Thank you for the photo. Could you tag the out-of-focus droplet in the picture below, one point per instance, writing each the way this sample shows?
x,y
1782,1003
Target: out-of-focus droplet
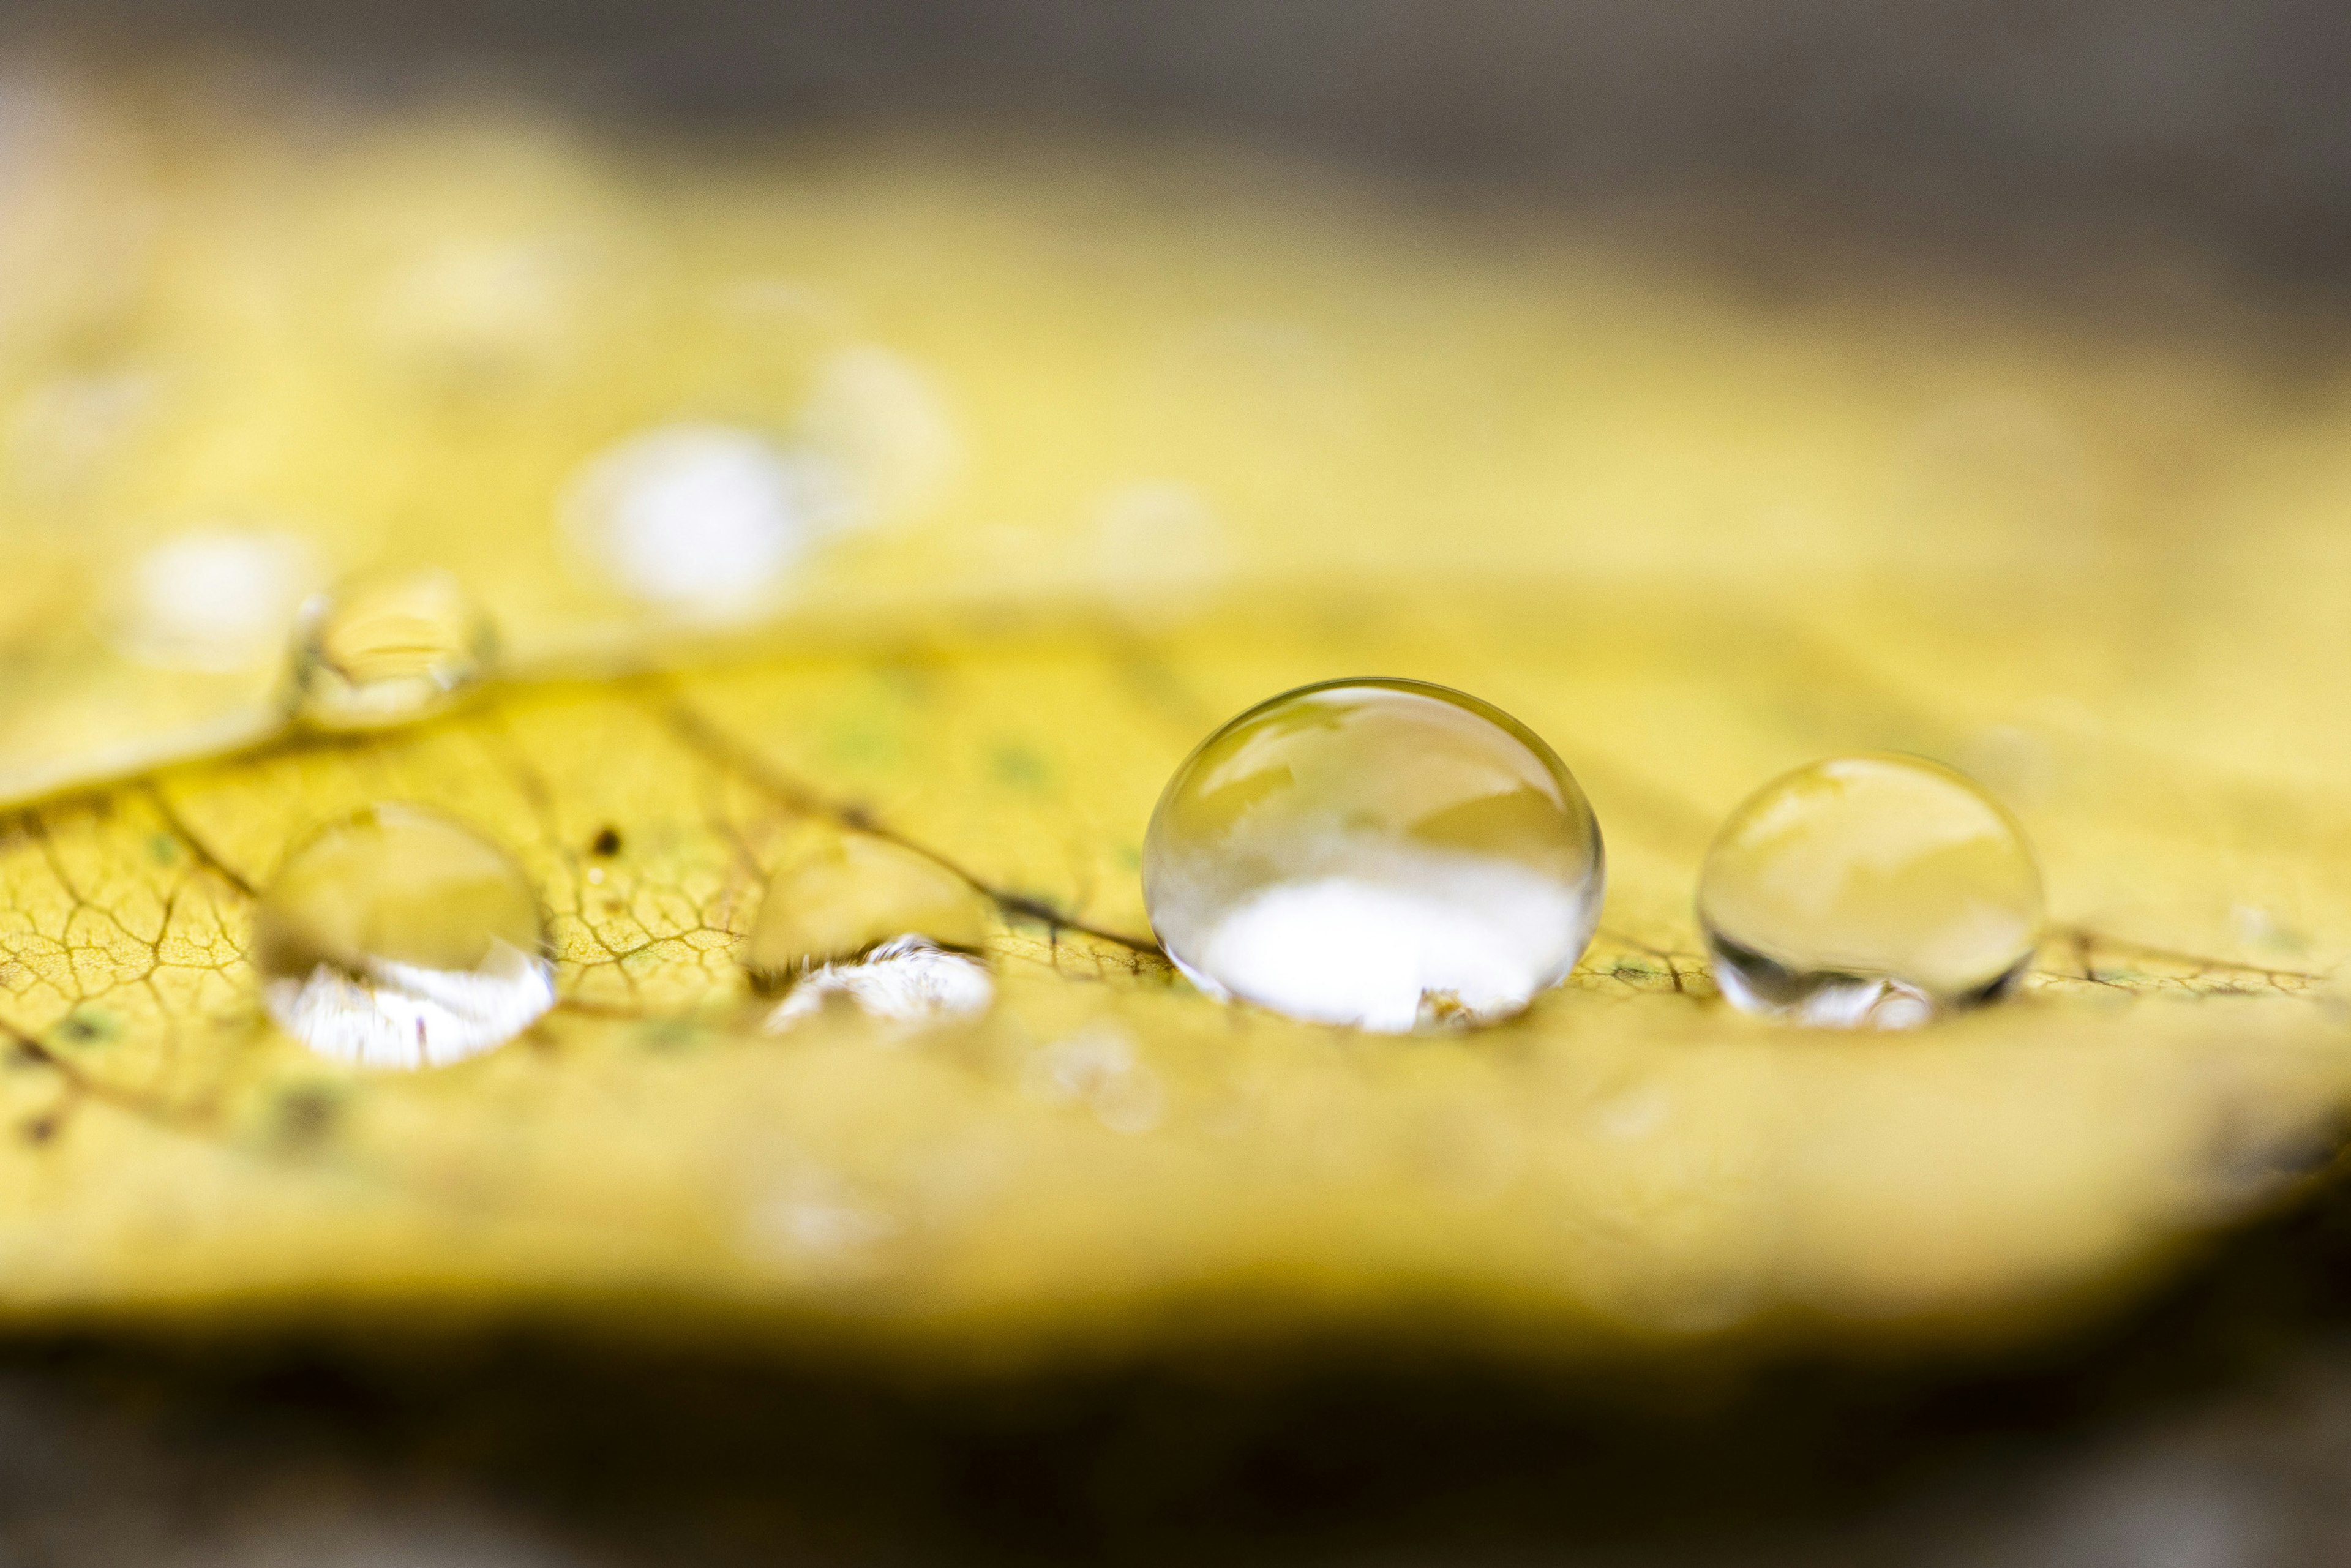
x,y
217,600
851,892
480,306
882,419
1156,544
702,522
397,938
1385,854
388,650
68,432
1099,1068
905,981
1870,892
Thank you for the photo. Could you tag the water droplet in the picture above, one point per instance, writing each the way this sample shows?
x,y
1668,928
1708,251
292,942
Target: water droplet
x,y
881,417
1098,1067
904,981
1156,544
826,1223
483,305
65,434
216,599
1379,852
397,938
701,521
851,892
389,649
1869,892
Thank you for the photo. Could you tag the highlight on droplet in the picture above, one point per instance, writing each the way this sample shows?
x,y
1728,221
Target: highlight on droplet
x,y
908,980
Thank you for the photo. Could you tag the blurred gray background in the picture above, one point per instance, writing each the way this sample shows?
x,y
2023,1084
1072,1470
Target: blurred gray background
x,y
2055,132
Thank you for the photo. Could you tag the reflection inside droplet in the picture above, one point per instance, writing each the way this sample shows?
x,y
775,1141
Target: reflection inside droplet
x,y
848,893
389,649
1869,892
396,938
1377,852
909,981
701,521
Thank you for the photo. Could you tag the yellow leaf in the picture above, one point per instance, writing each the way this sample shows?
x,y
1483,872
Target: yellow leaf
x,y
1085,466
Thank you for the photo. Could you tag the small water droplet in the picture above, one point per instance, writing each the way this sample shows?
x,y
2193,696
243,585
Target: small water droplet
x,y
905,981
823,1221
215,599
883,421
701,521
481,304
1385,854
852,891
389,649
1156,544
397,938
1869,892
2259,928
1099,1067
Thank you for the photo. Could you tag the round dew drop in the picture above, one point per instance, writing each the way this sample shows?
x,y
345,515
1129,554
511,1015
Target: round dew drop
x,y
1383,854
389,650
1869,892
849,893
874,925
397,938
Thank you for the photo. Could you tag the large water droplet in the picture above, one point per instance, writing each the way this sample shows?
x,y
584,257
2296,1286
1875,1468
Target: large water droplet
x,y
397,938
389,649
1871,892
874,924
1379,852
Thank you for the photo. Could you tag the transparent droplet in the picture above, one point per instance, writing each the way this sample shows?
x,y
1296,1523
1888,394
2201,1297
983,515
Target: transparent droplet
x,y
1869,892
908,980
397,938
850,893
389,649
1385,854
701,521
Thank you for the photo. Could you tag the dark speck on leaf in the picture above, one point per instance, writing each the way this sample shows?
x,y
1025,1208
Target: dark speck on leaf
x,y
608,841
304,1115
86,1029
668,1034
